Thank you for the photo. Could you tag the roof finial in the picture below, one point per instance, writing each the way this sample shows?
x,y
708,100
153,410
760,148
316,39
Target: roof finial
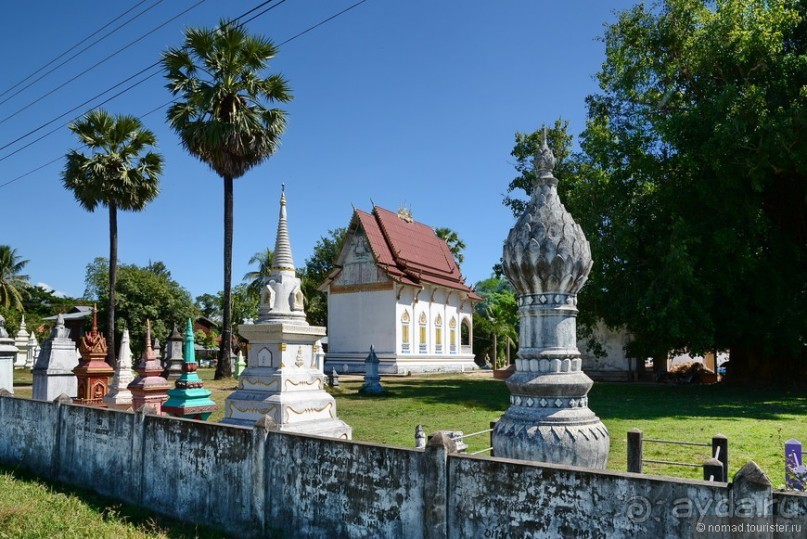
x,y
95,318
544,161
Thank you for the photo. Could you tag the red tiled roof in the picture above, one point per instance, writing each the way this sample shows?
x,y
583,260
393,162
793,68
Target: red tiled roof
x,y
410,252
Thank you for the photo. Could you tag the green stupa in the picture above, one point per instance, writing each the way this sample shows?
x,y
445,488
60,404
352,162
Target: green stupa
x,y
189,399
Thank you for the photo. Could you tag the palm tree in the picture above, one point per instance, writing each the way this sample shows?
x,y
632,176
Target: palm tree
x,y
118,172
255,279
12,282
455,244
222,118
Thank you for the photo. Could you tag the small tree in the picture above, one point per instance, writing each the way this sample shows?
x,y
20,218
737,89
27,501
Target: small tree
x,y
12,283
119,172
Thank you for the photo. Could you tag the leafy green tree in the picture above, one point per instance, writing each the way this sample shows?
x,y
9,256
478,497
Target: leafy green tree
x,y
691,183
142,294
495,319
210,306
256,278
12,282
119,172
222,118
316,270
455,244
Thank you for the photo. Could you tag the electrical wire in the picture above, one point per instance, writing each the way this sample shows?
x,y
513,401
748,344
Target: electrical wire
x,y
307,30
78,53
40,98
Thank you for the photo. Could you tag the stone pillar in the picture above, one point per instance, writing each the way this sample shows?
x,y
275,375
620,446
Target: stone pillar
x,y
174,359
119,396
149,388
21,339
93,371
8,353
53,371
189,398
547,259
283,379
372,379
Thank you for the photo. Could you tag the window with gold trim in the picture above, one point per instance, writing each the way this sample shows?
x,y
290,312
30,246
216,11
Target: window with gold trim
x,y
422,344
438,334
452,335
405,345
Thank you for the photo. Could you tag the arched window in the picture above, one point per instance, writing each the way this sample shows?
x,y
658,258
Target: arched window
x,y
438,334
452,335
465,333
422,343
405,337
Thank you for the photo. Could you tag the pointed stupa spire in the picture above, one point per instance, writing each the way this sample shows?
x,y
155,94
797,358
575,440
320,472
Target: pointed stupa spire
x,y
283,259
189,352
125,353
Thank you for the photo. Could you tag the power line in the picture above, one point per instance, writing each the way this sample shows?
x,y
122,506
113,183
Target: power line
x,y
124,81
332,17
307,30
78,53
40,98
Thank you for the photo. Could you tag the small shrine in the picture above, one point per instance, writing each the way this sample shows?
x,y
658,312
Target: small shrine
x,y
8,353
149,388
283,379
21,339
33,351
53,370
93,371
173,359
189,399
547,259
119,396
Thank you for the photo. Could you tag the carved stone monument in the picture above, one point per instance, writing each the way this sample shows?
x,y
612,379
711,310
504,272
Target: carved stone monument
x,y
21,339
189,398
149,388
119,396
283,380
8,353
93,371
372,379
173,358
547,259
53,372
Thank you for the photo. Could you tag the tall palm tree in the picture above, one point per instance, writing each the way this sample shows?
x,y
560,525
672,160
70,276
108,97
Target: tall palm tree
x,y
119,172
455,244
255,279
12,282
222,118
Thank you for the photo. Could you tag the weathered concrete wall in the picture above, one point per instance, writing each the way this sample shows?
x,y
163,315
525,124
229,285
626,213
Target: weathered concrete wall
x,y
334,488
257,482
194,469
507,498
28,433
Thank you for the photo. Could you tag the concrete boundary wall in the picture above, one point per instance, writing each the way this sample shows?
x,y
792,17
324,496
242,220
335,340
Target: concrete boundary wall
x,y
260,482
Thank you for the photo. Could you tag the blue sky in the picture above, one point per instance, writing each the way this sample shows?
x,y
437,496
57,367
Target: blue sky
x,y
406,103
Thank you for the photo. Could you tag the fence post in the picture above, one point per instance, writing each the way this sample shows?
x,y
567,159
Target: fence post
x,y
635,450
435,490
713,470
793,459
720,451
492,427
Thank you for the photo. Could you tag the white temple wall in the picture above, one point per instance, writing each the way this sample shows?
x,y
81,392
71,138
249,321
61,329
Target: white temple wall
x,y
358,319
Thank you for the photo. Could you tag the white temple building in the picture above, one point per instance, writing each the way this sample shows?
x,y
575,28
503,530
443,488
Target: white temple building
x,y
397,286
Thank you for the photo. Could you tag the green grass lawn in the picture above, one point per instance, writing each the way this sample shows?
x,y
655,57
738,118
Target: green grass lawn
x,y
756,421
